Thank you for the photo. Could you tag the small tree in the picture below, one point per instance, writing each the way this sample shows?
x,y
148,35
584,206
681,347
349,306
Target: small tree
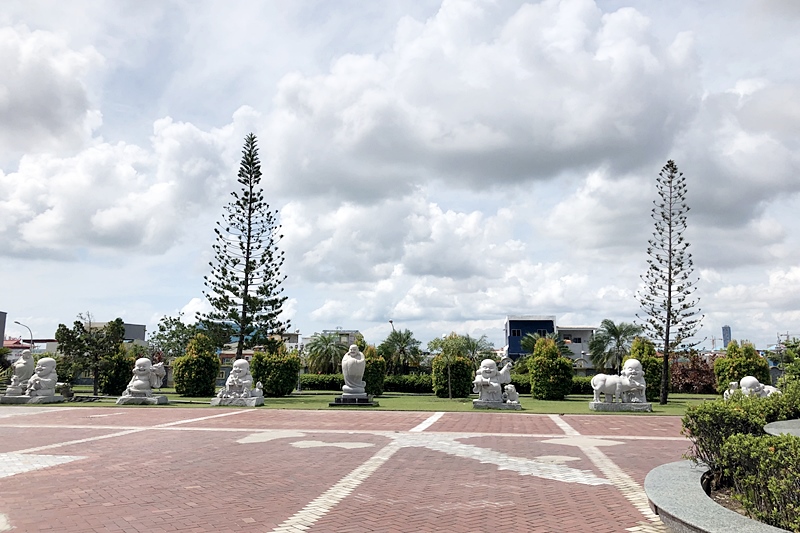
x,y
611,343
374,371
88,345
171,339
645,352
277,372
118,368
244,286
196,372
455,382
691,373
528,343
401,351
551,373
666,298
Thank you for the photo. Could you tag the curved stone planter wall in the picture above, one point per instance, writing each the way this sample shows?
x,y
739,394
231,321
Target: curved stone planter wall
x,y
676,496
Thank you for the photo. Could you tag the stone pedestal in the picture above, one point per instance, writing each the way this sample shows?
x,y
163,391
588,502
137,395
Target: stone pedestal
x,y
252,401
619,407
485,404
57,398
142,400
354,400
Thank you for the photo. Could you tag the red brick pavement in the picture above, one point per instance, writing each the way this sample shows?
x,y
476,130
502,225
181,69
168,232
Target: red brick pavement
x,y
197,476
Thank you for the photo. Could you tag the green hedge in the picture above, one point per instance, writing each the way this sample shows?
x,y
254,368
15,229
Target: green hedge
x,y
414,383
115,373
276,372
766,477
374,375
462,373
582,385
521,382
551,373
331,382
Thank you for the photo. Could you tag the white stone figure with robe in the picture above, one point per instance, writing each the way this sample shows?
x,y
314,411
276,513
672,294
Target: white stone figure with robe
x,y
488,382
353,366
146,377
23,370
43,383
632,370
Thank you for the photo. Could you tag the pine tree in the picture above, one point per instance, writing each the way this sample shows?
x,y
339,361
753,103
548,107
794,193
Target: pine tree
x,y
666,298
244,286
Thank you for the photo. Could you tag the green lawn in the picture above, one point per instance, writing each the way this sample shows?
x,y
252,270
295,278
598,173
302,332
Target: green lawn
x,y
395,401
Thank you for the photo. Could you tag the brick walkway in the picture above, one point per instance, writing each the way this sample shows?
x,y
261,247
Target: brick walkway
x,y
137,470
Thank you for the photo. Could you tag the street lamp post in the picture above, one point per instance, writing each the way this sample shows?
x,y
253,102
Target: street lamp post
x,y
29,331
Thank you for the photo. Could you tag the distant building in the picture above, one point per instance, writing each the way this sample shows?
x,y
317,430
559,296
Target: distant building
x,y
726,336
575,337
346,336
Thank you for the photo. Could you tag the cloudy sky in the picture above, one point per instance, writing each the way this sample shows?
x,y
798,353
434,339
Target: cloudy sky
x,y
439,163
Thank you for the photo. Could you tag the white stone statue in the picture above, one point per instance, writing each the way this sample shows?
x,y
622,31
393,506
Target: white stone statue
x,y
23,370
750,386
43,383
626,388
353,365
488,382
511,395
240,382
732,387
146,377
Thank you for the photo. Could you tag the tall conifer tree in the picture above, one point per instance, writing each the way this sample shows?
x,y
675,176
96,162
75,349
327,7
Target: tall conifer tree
x,y
244,286
666,298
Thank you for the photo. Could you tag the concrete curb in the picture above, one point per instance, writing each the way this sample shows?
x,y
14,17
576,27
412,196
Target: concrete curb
x,y
675,495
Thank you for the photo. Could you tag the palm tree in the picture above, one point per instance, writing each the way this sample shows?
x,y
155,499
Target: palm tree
x,y
401,350
611,343
528,343
325,353
478,349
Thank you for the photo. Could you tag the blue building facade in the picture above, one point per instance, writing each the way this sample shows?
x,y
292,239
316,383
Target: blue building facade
x,y
519,326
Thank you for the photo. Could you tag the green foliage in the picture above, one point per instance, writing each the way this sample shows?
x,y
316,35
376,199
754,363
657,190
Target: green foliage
x,y
171,339
693,375
766,477
740,360
667,300
401,352
521,382
582,385
87,345
196,372
68,367
329,382
460,373
374,375
414,383
644,350
324,353
276,372
453,346
611,343
116,371
551,374
244,286
4,362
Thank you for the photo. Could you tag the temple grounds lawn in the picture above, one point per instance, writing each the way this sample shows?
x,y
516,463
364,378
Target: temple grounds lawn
x,y
395,401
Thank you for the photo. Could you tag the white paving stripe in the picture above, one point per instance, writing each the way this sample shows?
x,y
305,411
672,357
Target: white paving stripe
x,y
622,481
427,423
563,426
321,505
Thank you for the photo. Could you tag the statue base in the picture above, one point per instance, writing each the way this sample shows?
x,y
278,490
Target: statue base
x,y
57,398
252,401
142,400
353,401
618,407
485,404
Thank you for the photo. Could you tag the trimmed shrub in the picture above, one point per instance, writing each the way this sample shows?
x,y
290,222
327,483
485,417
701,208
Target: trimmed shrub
x,y
115,372
766,477
582,385
551,374
740,361
331,382
413,383
462,373
374,375
645,351
196,372
276,372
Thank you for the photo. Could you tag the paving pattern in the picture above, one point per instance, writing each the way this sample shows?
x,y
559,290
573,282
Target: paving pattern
x,y
136,470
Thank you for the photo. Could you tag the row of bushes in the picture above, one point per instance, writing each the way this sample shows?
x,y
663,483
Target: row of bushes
x,y
728,437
